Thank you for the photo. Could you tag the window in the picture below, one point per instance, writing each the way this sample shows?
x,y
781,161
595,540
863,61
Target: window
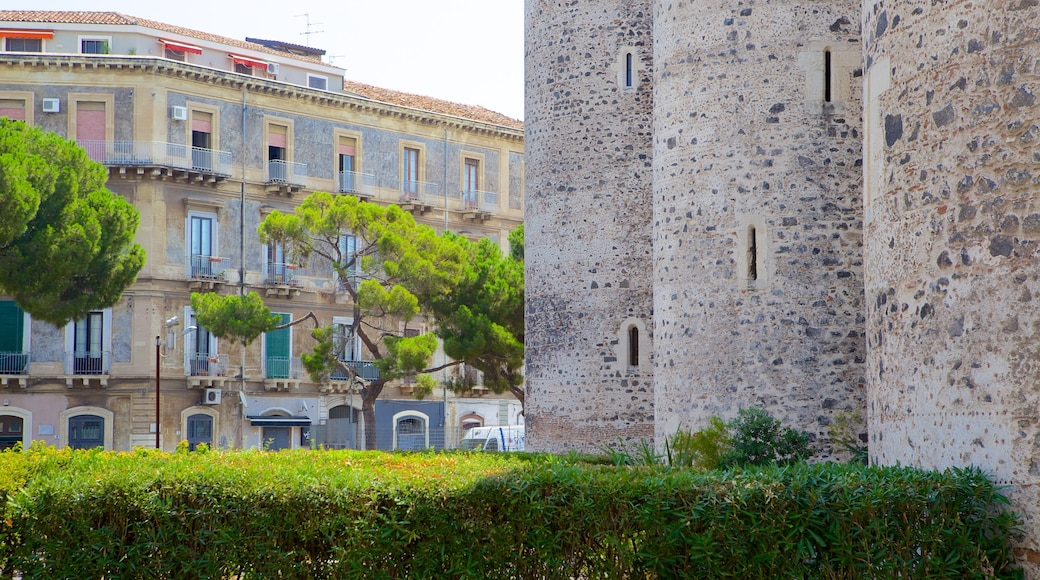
x,y
200,349
244,69
202,243
202,141
92,128
346,153
317,82
410,184
628,70
279,271
88,334
278,153
13,109
172,54
351,262
410,431
277,348
24,44
470,183
633,346
94,45
752,251
14,357
827,76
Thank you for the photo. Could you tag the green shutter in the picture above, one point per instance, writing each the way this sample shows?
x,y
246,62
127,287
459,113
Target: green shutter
x,y
277,347
12,324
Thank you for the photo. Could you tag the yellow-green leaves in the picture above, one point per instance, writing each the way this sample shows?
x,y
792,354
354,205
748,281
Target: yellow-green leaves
x,y
235,317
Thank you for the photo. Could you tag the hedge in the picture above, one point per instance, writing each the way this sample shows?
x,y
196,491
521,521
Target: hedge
x,y
349,514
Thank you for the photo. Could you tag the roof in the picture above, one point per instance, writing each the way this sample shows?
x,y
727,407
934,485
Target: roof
x,y
116,18
288,47
472,112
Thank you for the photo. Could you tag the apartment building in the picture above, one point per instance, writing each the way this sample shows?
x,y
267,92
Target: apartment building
x,y
205,135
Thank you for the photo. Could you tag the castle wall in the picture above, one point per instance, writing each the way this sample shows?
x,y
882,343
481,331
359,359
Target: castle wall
x,y
952,236
758,270
588,222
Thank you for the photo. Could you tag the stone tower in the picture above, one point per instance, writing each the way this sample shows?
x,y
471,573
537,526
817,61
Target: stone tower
x,y
588,223
758,270
952,220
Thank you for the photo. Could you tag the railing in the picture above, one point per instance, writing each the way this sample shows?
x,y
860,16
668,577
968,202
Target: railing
x,y
159,154
365,370
92,362
360,183
201,267
279,171
207,365
474,200
283,367
14,363
412,191
281,274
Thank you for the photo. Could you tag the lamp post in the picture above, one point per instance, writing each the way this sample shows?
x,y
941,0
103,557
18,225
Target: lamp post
x,y
170,323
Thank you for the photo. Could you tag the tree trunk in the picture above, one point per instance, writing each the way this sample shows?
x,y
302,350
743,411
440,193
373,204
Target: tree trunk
x,y
368,411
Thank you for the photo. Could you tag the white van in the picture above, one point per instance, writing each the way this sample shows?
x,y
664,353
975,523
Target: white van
x,y
499,438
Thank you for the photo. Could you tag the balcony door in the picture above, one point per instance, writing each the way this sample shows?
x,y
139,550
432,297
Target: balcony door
x,y
202,229
13,358
88,335
202,141
86,432
277,348
410,186
91,128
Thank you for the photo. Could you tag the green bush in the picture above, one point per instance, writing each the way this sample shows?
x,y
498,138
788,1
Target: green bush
x,y
759,439
353,514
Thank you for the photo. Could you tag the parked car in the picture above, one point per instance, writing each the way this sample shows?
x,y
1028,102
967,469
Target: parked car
x,y
496,438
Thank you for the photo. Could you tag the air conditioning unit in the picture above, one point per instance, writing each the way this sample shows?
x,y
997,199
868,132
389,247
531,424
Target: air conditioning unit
x,y
272,68
51,106
211,397
178,113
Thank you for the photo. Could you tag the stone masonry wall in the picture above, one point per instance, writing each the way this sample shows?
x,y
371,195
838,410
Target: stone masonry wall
x,y
952,238
758,270
588,252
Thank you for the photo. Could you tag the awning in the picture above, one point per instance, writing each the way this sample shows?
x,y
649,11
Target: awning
x,y
279,421
21,33
247,61
180,46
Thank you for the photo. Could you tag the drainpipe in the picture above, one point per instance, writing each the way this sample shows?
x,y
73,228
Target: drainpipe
x,y
242,270
445,180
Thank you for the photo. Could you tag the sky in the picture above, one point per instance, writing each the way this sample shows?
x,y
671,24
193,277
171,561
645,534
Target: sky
x,y
466,51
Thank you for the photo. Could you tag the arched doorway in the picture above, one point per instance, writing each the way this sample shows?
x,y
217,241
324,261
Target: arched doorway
x,y
86,431
200,430
343,427
12,430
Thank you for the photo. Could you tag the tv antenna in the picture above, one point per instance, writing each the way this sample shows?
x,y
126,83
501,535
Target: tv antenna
x,y
309,25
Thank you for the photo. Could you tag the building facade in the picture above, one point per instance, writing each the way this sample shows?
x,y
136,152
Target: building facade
x,y
841,217
206,135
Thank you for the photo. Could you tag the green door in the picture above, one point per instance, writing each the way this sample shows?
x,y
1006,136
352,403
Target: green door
x,y
277,350
13,359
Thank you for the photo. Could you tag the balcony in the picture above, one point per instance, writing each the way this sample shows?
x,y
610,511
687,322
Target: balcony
x,y
206,370
285,177
281,281
479,205
206,272
87,367
351,378
420,196
282,373
14,369
363,185
160,160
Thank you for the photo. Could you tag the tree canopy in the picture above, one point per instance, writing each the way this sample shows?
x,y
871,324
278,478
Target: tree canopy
x,y
66,242
389,268
241,318
482,320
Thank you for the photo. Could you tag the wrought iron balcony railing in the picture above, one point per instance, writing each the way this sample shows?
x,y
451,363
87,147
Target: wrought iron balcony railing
x,y
283,367
92,362
159,154
14,363
281,274
203,267
474,200
207,365
365,370
364,184
280,171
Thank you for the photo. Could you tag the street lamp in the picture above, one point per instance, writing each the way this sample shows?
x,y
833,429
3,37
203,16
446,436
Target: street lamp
x,y
170,323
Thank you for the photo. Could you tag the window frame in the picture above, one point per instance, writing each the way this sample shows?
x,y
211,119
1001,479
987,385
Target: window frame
x,y
42,41
106,342
322,78
105,40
